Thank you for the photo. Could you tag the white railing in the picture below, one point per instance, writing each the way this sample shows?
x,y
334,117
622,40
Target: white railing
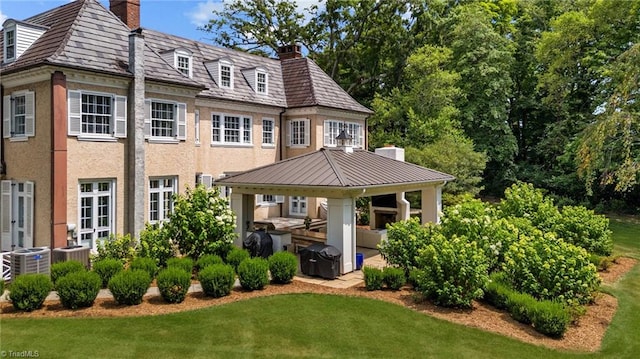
x,y
6,265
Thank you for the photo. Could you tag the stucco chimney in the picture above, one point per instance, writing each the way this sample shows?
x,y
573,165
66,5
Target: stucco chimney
x,y
397,153
289,52
128,11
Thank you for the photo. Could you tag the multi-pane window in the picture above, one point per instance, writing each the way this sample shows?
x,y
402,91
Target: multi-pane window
x,y
10,44
225,75
96,212
96,114
261,82
267,131
231,129
298,205
298,134
16,215
332,129
162,119
18,114
183,64
161,192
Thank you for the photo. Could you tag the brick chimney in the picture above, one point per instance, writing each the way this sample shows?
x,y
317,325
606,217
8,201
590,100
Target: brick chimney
x,y
128,11
289,52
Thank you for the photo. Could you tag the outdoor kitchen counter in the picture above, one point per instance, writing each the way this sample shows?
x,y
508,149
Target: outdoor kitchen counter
x,y
302,238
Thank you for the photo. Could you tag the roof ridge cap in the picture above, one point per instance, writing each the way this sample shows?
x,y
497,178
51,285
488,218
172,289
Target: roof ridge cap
x,y
313,88
335,167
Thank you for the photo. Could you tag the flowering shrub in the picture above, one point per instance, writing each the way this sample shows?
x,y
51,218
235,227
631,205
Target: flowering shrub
x,y
548,268
201,223
120,247
585,229
155,243
452,271
404,240
523,200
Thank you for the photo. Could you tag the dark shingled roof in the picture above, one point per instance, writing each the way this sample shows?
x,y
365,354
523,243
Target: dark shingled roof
x,y
333,167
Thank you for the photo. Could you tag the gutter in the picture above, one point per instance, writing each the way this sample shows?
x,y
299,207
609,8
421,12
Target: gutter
x,y
3,164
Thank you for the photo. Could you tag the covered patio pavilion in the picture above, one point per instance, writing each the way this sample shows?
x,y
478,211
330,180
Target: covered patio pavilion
x,y
341,175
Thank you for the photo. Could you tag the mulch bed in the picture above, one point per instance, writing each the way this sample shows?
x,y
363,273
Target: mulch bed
x,y
586,335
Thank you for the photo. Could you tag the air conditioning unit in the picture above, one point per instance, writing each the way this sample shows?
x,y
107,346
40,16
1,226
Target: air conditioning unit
x,y
30,260
71,253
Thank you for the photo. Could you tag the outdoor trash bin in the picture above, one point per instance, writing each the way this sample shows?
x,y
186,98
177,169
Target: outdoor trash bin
x,y
320,260
359,260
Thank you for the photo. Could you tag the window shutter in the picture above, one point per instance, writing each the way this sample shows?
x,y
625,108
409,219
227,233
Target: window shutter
x,y
327,133
147,118
6,116
30,111
307,132
5,214
181,121
289,129
28,215
75,112
120,129
279,199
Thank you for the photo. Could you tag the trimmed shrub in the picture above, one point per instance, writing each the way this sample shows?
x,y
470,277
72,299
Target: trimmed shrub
x,y
184,263
496,292
128,287
404,240
550,318
1,287
283,267
173,284
551,269
393,277
146,264
120,247
373,278
207,260
217,280
106,269
521,306
78,289
155,243
236,256
61,269
28,291
253,273
524,200
583,228
454,271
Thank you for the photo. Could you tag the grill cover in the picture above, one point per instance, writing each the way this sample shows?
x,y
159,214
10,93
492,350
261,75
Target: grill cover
x,y
321,260
259,244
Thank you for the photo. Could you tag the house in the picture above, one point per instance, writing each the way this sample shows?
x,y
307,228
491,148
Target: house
x,y
103,121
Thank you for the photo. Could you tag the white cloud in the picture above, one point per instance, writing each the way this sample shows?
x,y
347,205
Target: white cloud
x,y
202,13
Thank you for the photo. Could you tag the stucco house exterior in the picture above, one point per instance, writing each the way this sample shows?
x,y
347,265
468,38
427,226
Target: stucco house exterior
x,y
103,121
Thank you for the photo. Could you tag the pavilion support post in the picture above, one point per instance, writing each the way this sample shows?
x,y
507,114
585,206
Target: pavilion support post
x,y
242,205
341,230
431,204
404,207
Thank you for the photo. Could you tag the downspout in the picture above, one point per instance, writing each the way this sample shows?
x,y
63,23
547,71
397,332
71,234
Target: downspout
x,y
282,147
3,164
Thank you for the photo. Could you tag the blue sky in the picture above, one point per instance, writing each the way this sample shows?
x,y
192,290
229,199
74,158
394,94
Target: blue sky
x,y
177,17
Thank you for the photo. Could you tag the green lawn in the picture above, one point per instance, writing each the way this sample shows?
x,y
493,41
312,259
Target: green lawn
x,y
310,326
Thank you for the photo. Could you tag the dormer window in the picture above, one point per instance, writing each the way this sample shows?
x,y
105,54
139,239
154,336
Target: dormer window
x,y
261,82
10,44
226,75
183,63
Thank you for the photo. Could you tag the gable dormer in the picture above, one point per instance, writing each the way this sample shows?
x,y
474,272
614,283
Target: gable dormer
x,y
221,71
181,59
18,37
258,79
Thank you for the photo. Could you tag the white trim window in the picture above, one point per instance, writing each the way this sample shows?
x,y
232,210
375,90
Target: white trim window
x,y
262,81
10,44
19,115
97,115
298,206
268,200
226,74
231,129
16,215
165,120
183,63
96,211
268,132
298,133
161,191
332,130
